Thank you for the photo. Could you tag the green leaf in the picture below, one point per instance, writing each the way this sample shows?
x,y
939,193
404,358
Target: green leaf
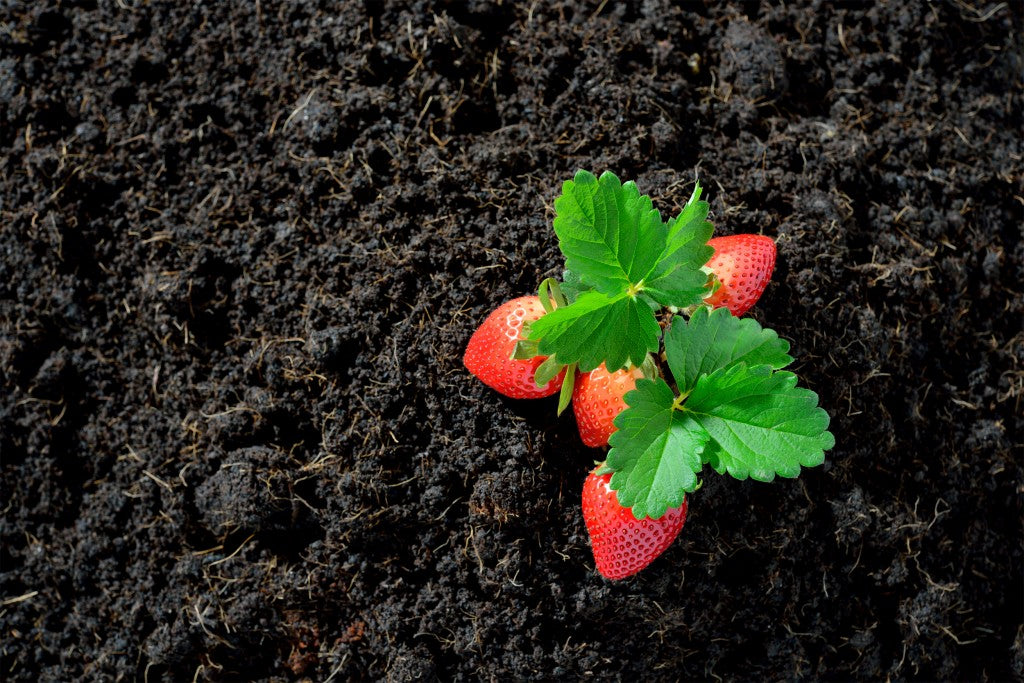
x,y
573,286
688,223
689,226
682,286
712,340
656,451
597,328
678,279
623,264
760,423
609,233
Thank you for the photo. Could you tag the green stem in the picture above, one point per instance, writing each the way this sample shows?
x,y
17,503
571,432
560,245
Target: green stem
x,y
680,399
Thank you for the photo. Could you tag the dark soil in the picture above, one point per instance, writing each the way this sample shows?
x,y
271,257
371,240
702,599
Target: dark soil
x,y
244,244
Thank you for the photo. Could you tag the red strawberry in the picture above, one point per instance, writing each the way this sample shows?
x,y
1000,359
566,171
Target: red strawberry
x,y
597,399
489,352
744,265
622,544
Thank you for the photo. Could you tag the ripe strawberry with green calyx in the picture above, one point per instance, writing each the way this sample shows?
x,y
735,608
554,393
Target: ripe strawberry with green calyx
x,y
598,398
743,265
490,350
623,544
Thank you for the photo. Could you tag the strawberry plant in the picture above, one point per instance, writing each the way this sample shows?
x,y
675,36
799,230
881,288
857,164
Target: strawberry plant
x,y
642,337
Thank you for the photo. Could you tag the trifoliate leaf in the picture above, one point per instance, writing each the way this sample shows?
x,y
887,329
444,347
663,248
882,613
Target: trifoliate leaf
x,y
712,340
597,328
656,451
622,267
609,233
760,423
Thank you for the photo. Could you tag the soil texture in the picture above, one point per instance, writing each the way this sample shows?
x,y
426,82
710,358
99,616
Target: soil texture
x,y
242,248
